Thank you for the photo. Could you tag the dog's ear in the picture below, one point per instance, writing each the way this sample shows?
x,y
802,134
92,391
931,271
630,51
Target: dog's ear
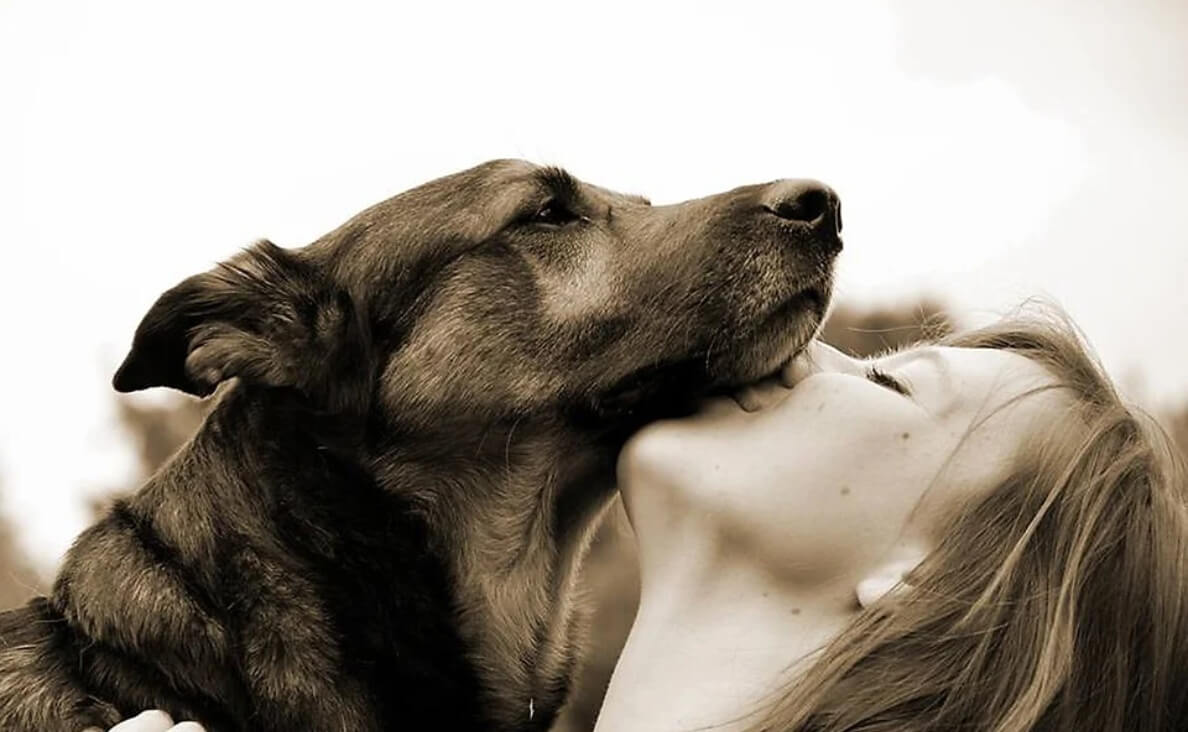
x,y
266,316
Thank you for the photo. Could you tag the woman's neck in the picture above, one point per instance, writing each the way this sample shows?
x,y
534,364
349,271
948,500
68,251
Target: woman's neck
x,y
711,642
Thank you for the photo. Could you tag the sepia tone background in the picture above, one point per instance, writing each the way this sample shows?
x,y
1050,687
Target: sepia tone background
x,y
984,153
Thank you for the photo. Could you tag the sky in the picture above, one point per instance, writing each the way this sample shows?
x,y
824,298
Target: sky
x,y
984,153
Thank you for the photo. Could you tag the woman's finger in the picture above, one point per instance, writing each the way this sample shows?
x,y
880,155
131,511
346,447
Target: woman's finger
x,y
800,367
153,720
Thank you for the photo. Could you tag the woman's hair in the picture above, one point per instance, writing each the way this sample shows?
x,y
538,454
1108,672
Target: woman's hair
x,y
1058,602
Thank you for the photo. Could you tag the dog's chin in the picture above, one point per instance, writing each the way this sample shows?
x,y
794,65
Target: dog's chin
x,y
674,388
780,338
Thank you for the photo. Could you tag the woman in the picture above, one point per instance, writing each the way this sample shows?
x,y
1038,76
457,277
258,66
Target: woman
x,y
976,535
971,535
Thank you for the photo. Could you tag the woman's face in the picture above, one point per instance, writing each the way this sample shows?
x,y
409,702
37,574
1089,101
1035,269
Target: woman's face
x,y
824,480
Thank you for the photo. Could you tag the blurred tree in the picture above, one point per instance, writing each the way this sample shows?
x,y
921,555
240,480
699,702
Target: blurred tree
x,y
160,429
869,331
18,581
157,431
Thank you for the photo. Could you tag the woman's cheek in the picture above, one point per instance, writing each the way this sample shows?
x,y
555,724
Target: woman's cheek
x,y
829,495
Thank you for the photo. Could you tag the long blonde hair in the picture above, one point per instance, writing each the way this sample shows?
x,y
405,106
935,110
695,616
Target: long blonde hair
x,y
1059,602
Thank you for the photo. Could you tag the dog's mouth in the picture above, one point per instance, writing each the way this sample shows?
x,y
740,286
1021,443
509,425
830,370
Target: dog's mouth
x,y
805,314
781,337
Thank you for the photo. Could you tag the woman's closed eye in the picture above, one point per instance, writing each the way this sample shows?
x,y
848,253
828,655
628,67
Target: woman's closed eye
x,y
882,378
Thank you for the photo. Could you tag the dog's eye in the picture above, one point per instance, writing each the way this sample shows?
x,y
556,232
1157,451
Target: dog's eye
x,y
553,213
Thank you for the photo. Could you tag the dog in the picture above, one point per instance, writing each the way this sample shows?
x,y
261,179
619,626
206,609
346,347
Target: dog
x,y
417,417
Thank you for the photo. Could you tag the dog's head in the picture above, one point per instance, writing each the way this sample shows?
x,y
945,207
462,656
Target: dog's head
x,y
504,291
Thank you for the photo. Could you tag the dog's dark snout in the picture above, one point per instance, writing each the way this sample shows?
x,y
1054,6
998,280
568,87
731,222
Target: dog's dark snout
x,y
807,201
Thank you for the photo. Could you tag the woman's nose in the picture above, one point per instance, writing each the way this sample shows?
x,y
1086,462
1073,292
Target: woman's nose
x,y
818,357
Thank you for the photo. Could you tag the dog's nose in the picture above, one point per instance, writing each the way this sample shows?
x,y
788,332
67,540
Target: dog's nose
x,y
807,201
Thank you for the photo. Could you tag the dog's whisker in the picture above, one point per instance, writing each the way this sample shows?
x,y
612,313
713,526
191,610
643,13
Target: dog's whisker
x,y
507,446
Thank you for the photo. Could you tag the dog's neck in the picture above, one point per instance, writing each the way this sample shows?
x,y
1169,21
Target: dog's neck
x,y
436,582
507,510
515,509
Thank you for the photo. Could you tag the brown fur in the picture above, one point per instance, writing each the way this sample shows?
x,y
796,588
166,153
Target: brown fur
x,y
379,523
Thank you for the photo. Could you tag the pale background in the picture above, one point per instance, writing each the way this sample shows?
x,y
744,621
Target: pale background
x,y
984,152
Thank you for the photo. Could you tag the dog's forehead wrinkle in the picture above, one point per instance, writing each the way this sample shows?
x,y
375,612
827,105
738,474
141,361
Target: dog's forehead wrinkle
x,y
435,220
627,201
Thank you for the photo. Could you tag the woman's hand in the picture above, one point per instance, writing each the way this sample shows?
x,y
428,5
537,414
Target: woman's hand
x,y
153,720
